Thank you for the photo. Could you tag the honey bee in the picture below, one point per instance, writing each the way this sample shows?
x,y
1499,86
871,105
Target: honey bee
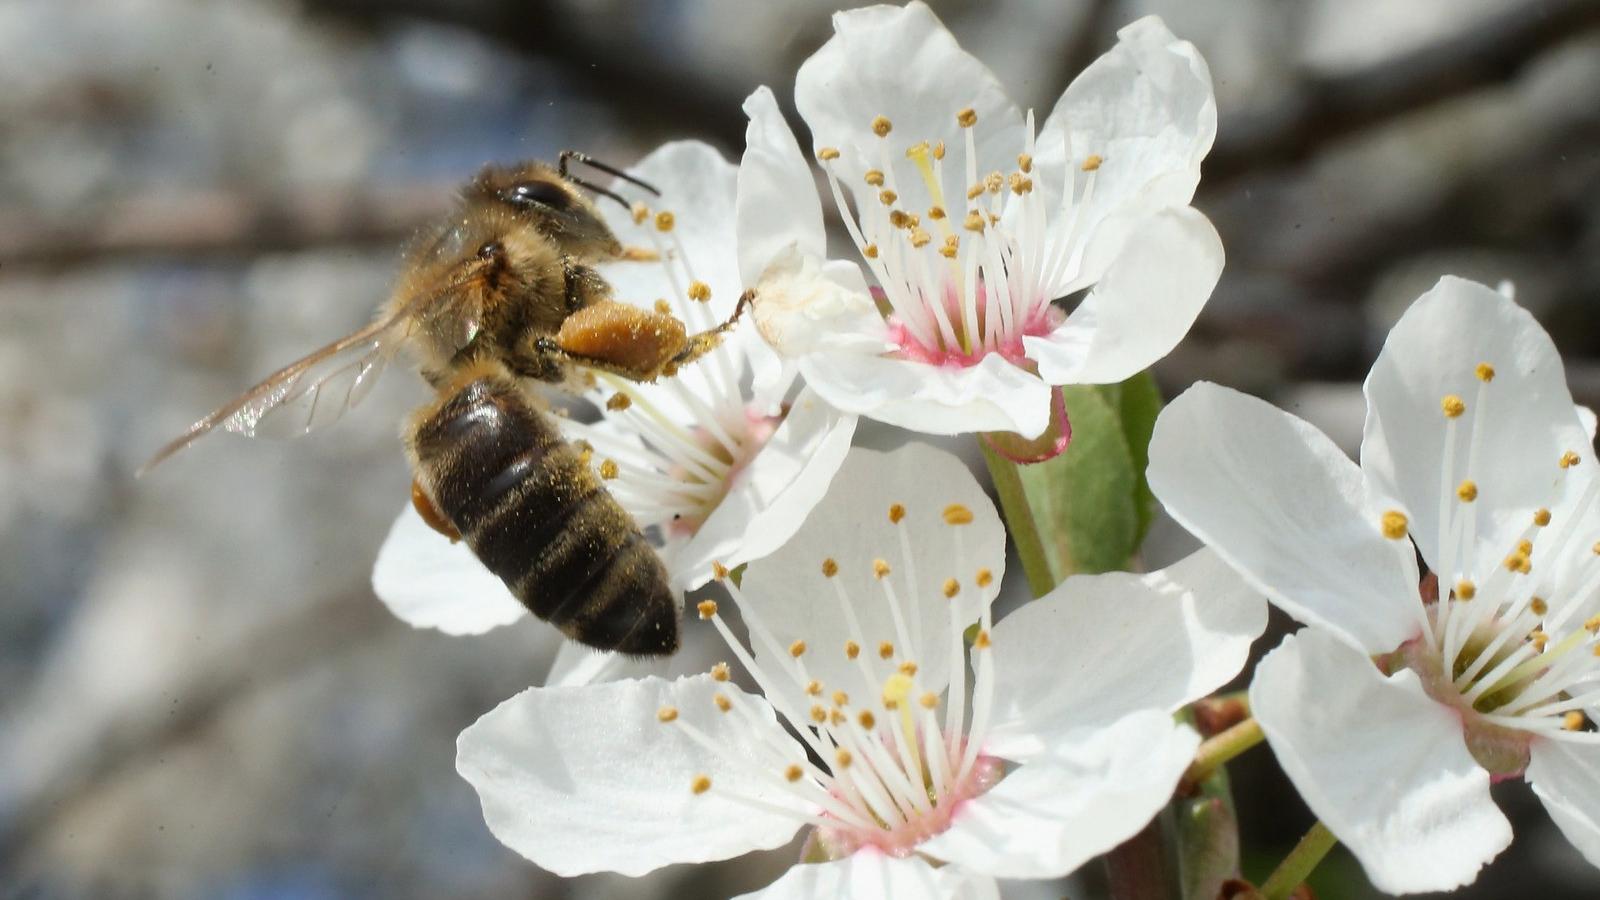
x,y
503,296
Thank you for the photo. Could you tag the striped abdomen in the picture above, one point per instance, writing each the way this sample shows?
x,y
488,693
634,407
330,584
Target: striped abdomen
x,y
536,516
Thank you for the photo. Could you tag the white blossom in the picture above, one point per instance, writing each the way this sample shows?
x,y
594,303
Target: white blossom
x,y
972,223
1399,706
903,772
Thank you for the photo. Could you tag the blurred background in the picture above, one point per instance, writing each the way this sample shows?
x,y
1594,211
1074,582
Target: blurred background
x,y
201,696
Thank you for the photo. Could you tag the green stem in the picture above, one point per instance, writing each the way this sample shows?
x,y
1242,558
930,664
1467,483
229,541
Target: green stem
x,y
1019,521
1294,869
1222,747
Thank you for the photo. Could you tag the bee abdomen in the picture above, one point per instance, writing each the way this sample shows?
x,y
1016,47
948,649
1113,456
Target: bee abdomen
x,y
537,517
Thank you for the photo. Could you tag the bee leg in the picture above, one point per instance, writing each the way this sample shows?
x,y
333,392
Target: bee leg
x,y
698,345
546,348
639,254
430,513
584,286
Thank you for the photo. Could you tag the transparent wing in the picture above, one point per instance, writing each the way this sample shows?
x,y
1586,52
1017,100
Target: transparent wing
x,y
317,389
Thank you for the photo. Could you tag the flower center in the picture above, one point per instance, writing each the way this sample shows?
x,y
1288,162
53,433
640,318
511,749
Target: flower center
x,y
972,277
886,772
1516,655
669,451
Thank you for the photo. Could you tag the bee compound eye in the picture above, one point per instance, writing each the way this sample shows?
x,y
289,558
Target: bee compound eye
x,y
538,193
491,250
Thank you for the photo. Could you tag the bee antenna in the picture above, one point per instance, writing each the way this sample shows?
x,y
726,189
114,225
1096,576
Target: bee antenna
x,y
593,163
600,190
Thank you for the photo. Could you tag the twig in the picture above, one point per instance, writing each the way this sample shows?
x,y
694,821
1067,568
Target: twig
x,y
1323,109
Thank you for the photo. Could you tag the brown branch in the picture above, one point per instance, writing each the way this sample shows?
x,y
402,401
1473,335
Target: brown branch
x,y
1322,109
322,631
222,222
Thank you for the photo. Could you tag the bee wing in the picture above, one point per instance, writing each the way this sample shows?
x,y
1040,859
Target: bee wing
x,y
311,391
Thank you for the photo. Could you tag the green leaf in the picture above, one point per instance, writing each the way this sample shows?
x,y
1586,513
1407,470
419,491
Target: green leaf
x,y
1083,501
1140,404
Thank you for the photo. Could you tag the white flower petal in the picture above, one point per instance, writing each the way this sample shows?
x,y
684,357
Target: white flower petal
x,y
804,304
576,665
901,63
698,186
777,197
1146,108
1529,419
586,779
870,875
1382,765
770,498
1056,812
1142,306
993,395
1566,777
428,582
1100,646
1587,417
788,592
1276,499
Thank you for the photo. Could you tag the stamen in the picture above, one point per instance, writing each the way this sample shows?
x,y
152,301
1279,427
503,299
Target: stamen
x,y
1395,525
957,514
1485,372
1468,491
665,220
1466,590
699,291
1453,406
967,117
797,650
827,154
881,126
1569,459
896,513
700,784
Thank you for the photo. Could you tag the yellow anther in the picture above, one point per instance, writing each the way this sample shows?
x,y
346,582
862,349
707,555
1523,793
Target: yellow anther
x,y
952,587
918,151
827,154
1592,624
797,649
896,689
967,117
609,469
908,668
722,701
721,672
1484,371
1538,606
1596,548
887,197
981,642
871,251
1572,720
920,238
928,700
836,718
896,513
1541,517
793,772
840,698
814,688
1453,406
880,568
975,191
852,649
665,220
700,784
843,758
819,714
1539,639
867,720
957,514
1015,181
885,650
1569,459
1518,562
663,307
1595,649
1466,590
899,219
699,291
719,571
1525,547
1092,162
984,578
667,714
993,219
950,251
706,608
993,182
938,149
874,177
881,126
830,567
1468,491
973,221
640,212
1025,162
936,212
1395,524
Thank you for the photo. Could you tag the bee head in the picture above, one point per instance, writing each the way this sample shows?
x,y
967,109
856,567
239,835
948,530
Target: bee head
x,y
540,196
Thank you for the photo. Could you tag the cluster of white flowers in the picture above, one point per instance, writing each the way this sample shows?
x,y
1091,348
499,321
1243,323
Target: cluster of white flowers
x,y
925,749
